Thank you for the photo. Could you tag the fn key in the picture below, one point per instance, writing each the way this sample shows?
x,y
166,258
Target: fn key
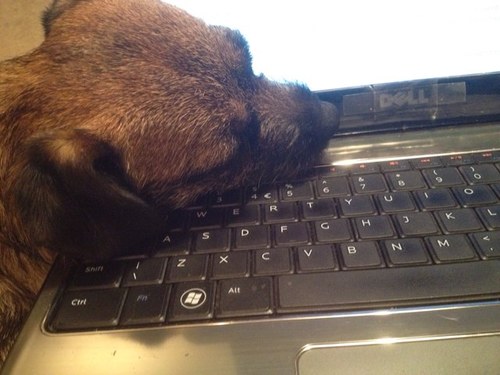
x,y
89,309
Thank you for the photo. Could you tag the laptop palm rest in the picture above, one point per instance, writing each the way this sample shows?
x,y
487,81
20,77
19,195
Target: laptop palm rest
x,y
456,355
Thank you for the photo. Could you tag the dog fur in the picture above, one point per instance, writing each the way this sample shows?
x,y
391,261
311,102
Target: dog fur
x,y
130,109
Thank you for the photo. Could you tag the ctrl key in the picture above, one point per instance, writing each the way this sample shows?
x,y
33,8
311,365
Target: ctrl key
x,y
88,309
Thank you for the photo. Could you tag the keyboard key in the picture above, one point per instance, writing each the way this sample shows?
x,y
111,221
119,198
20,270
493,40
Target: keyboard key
x,y
375,227
387,287
337,230
145,271
210,241
192,301
363,168
318,209
371,183
359,205
241,216
245,297
89,309
207,218
281,212
315,258
457,159
145,305
490,216
480,174
477,195
272,261
232,264
252,237
443,177
226,198
187,268
434,199
296,191
406,180
395,202
291,234
261,194
459,220
406,251
487,157
174,243
451,248
488,243
395,165
360,255
333,187
98,275
416,224
427,162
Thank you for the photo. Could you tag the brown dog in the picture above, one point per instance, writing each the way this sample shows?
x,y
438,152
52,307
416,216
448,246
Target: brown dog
x,y
127,109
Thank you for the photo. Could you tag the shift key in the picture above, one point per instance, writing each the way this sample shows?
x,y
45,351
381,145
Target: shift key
x,y
89,309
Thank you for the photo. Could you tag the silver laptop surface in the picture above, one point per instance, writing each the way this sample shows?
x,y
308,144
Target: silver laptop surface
x,y
385,260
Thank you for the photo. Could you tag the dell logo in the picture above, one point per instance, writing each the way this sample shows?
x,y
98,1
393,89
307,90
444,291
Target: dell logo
x,y
398,99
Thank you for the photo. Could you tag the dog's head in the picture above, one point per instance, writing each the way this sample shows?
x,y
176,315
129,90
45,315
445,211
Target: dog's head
x,y
132,105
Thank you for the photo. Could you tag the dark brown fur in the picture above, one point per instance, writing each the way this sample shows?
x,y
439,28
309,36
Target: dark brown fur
x,y
131,108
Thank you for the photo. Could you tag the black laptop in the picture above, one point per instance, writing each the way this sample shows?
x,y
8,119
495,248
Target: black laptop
x,y
385,259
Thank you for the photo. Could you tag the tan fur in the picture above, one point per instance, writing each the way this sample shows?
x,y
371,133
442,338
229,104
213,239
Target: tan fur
x,y
130,109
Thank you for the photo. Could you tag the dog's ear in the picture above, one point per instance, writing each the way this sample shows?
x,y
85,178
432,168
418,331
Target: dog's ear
x,y
53,12
74,196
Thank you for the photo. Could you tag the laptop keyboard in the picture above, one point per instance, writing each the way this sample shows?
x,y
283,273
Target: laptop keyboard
x,y
402,232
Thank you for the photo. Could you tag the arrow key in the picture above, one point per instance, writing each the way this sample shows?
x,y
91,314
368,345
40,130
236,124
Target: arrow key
x,y
488,244
243,297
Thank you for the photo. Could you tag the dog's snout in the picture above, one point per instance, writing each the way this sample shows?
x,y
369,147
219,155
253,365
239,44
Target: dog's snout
x,y
329,116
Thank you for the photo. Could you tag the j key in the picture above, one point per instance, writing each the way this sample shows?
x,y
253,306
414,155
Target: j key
x,y
371,183
480,174
451,248
337,230
252,237
375,227
441,177
89,309
272,261
435,198
416,224
291,234
406,251
210,241
395,202
318,209
192,267
192,301
488,243
145,271
391,287
477,195
296,191
333,187
244,297
460,220
316,258
145,305
358,205
361,255
281,212
491,216
207,218
245,215
232,264
406,180
98,275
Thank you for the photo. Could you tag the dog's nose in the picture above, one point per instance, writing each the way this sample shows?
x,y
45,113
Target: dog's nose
x,y
329,116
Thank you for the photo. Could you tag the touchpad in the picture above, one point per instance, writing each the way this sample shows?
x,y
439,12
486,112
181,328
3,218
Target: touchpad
x,y
445,356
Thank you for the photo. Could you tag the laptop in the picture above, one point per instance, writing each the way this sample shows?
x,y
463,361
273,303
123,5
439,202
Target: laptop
x,y
385,260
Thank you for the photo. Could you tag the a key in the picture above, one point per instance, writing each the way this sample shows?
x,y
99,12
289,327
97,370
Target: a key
x,y
244,297
145,305
175,243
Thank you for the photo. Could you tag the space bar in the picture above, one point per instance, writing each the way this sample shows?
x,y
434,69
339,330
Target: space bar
x,y
393,286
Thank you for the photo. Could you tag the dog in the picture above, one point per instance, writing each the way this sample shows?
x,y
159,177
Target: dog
x,y
128,110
